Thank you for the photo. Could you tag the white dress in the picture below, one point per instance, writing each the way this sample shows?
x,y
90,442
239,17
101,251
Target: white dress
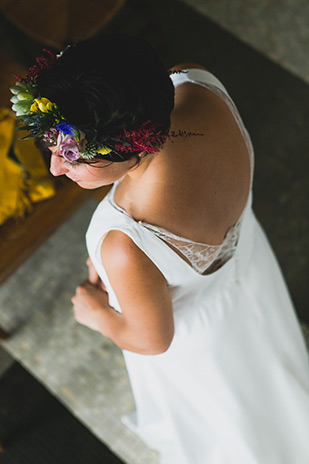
x,y
233,388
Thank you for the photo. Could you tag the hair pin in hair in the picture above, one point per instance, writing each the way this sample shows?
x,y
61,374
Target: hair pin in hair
x,y
177,71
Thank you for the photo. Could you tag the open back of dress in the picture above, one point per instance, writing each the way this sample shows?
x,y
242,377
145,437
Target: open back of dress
x,y
204,258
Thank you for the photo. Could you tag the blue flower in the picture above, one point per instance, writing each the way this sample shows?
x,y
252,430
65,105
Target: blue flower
x,y
66,128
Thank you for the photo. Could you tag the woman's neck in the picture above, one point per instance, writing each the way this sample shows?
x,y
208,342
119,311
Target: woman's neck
x,y
137,182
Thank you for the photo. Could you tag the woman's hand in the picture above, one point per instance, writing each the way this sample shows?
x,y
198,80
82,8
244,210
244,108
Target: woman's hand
x,y
90,302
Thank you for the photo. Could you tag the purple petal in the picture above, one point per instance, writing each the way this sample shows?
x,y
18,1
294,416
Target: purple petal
x,y
71,155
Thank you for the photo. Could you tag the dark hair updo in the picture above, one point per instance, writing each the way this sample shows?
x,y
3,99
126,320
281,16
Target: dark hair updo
x,y
119,78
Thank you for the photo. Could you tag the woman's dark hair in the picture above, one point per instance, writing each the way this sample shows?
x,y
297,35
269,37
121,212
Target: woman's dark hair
x,y
116,79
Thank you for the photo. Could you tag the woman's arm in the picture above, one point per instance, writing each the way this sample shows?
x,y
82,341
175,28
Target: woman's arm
x,y
146,324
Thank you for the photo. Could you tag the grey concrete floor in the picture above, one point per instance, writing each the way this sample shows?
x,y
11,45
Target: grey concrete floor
x,y
278,28
81,368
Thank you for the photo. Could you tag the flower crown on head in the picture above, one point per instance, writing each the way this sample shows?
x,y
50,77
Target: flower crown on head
x,y
42,118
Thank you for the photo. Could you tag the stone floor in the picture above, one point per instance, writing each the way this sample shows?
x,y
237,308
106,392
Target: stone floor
x,y
279,29
80,367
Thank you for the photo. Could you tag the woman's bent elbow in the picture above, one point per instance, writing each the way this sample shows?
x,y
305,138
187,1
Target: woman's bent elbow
x,y
151,348
162,347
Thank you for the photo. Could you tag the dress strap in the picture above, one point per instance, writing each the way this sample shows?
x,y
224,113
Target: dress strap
x,y
195,75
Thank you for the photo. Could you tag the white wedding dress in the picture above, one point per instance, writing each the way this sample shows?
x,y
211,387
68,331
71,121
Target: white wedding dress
x,y
233,388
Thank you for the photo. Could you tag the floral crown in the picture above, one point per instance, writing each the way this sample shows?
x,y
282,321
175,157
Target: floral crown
x,y
43,118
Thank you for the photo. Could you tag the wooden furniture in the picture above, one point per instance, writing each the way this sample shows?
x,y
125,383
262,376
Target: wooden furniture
x,y
20,238
60,22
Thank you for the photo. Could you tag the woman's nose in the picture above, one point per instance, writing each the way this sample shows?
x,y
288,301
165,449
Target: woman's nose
x,y
57,166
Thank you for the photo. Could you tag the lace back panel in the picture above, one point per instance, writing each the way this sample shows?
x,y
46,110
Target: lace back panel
x,y
204,258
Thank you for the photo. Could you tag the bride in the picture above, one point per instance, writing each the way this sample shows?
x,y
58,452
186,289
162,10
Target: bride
x,y
181,275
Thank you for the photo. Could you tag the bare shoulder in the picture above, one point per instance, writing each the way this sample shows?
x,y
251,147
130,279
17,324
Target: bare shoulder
x,y
187,65
119,252
196,97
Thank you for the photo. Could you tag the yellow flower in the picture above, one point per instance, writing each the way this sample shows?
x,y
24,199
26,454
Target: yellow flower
x,y
43,105
34,107
104,151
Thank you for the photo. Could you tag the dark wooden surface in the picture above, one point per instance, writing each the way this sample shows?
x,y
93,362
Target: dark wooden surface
x,y
20,238
62,21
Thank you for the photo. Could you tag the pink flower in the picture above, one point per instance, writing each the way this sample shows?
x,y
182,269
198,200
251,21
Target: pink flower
x,y
51,136
68,147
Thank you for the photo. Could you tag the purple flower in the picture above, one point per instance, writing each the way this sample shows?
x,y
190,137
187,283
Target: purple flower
x,y
68,147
